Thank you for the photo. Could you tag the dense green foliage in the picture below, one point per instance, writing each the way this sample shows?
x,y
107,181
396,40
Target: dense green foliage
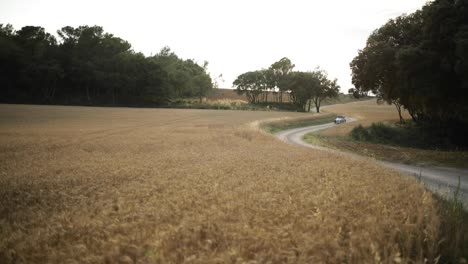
x,y
303,88
408,135
308,87
420,62
88,66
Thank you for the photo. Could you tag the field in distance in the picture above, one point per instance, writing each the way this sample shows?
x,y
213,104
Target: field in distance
x,y
121,185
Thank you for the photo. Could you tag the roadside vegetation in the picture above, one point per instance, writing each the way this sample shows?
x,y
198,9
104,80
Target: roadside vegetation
x,y
404,143
378,134
395,153
277,126
406,135
454,229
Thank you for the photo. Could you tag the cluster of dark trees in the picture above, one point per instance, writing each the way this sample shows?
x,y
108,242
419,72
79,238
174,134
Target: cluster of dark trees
x,y
87,66
419,62
303,88
358,93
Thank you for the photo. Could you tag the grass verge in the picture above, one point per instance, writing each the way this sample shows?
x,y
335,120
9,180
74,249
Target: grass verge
x,y
411,135
453,229
275,127
382,145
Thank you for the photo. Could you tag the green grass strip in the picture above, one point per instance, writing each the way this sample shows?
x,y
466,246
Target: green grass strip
x,y
275,127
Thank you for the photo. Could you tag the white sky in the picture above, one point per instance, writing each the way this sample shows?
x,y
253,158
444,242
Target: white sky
x,y
233,36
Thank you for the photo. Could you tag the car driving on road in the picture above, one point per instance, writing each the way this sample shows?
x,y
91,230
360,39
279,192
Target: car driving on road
x,y
340,119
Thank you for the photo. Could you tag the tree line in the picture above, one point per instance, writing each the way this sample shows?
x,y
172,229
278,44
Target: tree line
x,y
303,88
88,66
419,62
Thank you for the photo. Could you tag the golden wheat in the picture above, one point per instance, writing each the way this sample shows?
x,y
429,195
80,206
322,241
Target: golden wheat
x,y
117,185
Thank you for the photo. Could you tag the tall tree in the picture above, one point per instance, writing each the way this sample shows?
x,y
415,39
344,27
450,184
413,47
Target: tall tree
x,y
252,84
418,62
92,67
280,71
376,67
308,87
301,86
324,89
10,63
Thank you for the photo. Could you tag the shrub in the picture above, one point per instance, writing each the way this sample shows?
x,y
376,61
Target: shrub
x,y
408,135
360,133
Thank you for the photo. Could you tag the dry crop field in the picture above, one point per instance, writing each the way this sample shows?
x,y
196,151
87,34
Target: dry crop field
x,y
120,185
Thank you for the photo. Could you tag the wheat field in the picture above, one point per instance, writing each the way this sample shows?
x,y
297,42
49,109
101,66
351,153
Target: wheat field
x,y
121,185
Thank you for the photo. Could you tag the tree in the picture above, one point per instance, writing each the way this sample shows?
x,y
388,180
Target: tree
x,y
376,67
92,67
252,84
308,87
418,62
356,93
39,72
10,63
279,74
302,86
183,78
325,89
202,82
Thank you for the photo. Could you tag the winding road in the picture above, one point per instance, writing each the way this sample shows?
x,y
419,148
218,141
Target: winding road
x,y
441,180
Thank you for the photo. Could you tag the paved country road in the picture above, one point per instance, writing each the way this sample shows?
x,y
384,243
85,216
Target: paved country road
x,y
441,180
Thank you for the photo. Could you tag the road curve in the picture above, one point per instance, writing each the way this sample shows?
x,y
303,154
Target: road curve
x,y
441,180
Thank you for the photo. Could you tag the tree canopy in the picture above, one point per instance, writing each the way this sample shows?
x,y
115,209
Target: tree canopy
x,y
303,88
420,62
88,66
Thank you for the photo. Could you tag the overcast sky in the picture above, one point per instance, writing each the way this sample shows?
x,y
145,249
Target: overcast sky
x,y
233,36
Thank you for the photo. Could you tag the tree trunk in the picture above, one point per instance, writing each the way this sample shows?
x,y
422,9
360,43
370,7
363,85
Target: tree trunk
x,y
113,95
317,102
398,107
308,108
52,92
87,92
249,98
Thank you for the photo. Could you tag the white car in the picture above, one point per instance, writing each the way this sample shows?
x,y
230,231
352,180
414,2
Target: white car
x,y
340,119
